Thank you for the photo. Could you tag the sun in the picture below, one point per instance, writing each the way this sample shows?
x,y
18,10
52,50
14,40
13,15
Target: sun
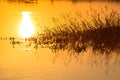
x,y
26,29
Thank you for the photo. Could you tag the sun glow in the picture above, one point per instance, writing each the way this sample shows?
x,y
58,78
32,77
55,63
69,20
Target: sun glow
x,y
26,27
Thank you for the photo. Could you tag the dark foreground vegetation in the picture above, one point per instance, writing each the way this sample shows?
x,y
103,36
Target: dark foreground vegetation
x,y
100,32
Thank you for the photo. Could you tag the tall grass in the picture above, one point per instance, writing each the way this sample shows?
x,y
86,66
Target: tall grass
x,y
101,32
98,35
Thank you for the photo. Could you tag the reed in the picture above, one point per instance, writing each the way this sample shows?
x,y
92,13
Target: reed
x,y
101,33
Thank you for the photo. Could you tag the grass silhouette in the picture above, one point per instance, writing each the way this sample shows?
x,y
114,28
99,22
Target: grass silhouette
x,y
101,32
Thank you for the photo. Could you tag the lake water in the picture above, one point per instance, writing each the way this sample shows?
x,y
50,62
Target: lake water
x,y
42,64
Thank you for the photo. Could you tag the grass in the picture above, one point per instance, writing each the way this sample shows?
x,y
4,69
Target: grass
x,y
100,31
98,35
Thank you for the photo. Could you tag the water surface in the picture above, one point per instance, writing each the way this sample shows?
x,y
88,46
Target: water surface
x,y
41,64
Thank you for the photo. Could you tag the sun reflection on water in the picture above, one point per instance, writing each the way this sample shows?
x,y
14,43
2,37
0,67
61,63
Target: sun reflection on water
x,y
26,29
